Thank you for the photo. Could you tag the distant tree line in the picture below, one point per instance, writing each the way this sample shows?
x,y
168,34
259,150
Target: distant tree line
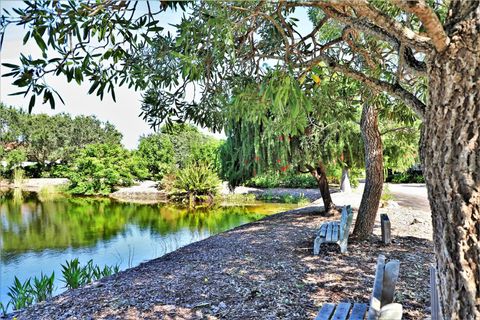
x,y
47,139
89,152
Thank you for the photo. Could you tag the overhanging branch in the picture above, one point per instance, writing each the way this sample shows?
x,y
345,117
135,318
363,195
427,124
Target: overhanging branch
x,y
429,19
395,90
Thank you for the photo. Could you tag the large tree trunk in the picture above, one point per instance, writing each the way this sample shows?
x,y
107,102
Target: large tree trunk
x,y
374,173
320,175
451,160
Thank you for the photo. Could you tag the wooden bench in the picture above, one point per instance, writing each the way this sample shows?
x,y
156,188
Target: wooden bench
x,y
381,303
335,232
434,300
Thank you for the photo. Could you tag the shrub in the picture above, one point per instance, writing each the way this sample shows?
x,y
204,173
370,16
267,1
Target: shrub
x,y
278,180
407,177
193,184
386,194
284,198
156,150
292,179
100,167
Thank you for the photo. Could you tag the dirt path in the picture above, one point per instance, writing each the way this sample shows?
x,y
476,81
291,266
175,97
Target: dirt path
x,y
262,270
412,195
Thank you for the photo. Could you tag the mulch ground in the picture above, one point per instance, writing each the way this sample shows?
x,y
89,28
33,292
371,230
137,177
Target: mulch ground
x,y
262,270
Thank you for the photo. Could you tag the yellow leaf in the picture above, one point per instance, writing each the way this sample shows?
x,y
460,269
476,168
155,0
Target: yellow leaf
x,y
322,64
316,78
302,79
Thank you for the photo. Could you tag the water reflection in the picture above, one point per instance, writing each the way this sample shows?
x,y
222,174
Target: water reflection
x,y
37,236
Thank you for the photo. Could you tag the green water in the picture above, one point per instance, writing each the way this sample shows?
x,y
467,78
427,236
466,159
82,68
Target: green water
x,y
37,235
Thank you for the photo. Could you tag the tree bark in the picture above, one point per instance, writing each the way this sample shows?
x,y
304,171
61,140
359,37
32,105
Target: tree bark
x,y
451,159
345,185
320,175
374,173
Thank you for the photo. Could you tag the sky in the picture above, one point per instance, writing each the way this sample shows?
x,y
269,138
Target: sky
x,y
124,114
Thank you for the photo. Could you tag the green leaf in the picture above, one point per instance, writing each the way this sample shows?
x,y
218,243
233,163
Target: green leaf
x,y
32,103
11,66
38,39
27,36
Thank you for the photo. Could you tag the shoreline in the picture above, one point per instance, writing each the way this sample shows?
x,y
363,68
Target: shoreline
x,y
146,192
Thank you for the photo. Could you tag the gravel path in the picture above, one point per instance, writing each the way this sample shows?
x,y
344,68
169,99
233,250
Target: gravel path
x,y
262,270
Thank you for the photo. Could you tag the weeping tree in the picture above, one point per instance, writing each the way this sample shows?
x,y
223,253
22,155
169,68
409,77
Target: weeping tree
x,y
283,124
111,43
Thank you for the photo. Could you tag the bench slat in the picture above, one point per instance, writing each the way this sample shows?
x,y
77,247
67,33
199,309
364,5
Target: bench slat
x,y
335,232
342,310
434,301
323,230
358,311
325,312
375,302
329,232
390,276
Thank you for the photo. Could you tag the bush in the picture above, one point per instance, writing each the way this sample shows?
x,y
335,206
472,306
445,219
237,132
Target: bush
x,y
407,177
100,167
277,180
284,198
292,179
193,184
158,153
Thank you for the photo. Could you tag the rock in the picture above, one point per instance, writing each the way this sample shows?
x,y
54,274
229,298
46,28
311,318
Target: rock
x,y
415,220
222,305
392,204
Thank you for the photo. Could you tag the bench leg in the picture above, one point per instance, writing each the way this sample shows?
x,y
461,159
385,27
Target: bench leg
x,y
316,246
343,246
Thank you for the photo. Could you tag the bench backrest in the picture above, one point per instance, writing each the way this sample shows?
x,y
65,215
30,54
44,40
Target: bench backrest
x,y
386,276
345,221
434,300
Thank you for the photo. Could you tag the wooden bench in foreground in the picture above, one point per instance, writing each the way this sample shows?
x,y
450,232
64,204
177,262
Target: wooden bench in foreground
x,y
434,300
335,231
381,303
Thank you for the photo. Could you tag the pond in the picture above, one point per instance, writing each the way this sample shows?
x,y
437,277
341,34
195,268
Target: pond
x,y
38,235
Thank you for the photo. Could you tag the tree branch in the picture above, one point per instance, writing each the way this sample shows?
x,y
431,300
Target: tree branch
x,y
397,129
396,90
429,19
275,24
373,22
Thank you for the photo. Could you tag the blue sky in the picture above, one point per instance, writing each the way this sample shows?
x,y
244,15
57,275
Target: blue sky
x,y
124,114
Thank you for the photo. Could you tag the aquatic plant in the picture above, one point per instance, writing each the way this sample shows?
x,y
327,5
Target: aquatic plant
x,y
3,309
42,288
21,294
26,294
72,274
49,193
18,177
